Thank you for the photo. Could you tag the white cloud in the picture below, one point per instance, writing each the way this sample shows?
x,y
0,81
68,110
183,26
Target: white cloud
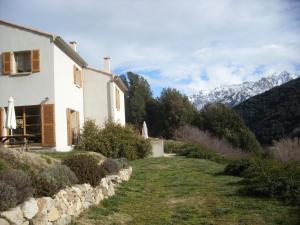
x,y
227,39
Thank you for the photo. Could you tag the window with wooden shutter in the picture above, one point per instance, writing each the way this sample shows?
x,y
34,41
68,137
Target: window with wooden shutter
x,y
69,127
35,61
6,63
48,125
117,92
77,74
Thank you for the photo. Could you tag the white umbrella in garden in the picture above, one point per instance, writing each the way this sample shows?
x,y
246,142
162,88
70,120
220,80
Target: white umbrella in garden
x,y
3,121
11,116
145,130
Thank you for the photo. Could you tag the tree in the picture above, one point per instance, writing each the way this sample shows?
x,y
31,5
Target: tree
x,y
138,94
175,110
224,122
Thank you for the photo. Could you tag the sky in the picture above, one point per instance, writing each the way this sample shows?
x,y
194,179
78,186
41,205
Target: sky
x,y
190,45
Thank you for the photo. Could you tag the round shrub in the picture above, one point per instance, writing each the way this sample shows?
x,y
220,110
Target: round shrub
x,y
110,166
86,168
53,179
113,141
171,146
3,164
7,196
123,163
18,180
237,167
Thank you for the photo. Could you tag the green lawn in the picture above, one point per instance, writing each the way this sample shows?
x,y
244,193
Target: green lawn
x,y
185,191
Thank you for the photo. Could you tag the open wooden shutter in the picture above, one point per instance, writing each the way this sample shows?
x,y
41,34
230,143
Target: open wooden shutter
x,y
1,114
6,63
81,79
35,61
74,74
48,125
69,127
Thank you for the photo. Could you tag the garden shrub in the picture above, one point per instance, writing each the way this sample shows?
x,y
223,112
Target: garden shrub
x,y
113,141
18,180
273,179
199,152
53,179
110,166
237,167
123,163
86,168
3,164
171,146
7,196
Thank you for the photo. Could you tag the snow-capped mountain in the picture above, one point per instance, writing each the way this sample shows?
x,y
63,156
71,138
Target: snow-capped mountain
x,y
234,94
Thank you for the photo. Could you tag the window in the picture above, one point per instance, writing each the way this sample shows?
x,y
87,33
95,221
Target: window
x,y
73,126
77,76
20,62
117,92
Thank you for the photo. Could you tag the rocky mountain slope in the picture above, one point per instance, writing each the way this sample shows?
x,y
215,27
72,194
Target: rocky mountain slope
x,y
235,94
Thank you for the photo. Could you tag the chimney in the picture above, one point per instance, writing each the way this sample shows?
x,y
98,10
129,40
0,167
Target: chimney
x,y
106,64
73,45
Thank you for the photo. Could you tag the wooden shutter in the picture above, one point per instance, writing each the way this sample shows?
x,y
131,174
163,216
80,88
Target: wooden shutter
x,y
74,74
1,114
117,92
80,79
6,63
69,127
48,125
35,61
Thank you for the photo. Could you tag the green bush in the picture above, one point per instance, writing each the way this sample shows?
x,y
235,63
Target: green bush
x,y
274,179
7,196
123,163
3,164
86,168
20,181
110,166
113,141
199,152
171,146
237,167
53,179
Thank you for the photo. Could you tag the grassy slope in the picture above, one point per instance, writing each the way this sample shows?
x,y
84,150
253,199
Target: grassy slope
x,y
184,191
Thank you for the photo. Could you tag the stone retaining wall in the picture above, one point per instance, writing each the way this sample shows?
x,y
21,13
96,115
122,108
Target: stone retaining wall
x,y
67,204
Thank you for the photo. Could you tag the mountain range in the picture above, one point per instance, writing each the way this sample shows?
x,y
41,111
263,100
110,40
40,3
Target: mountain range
x,y
232,95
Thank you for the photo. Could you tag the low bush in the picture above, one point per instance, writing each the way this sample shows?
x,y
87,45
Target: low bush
x,y
86,168
53,179
199,152
20,181
3,164
110,166
273,178
238,167
194,135
171,146
7,196
123,163
113,141
286,149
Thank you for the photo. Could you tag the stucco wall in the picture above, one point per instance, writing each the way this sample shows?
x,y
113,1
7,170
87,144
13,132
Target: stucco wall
x,y
96,94
29,89
67,95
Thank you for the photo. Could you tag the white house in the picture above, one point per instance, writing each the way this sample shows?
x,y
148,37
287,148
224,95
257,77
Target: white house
x,y
46,77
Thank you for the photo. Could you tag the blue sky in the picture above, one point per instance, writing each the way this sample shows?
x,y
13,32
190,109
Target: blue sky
x,y
186,44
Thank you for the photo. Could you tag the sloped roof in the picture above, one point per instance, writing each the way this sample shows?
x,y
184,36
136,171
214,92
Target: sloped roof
x,y
59,41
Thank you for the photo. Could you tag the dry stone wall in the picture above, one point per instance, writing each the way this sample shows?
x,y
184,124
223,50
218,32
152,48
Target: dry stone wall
x,y
67,204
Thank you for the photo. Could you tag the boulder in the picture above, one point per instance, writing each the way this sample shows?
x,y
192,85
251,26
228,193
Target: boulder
x,y
3,222
63,220
29,208
14,216
53,214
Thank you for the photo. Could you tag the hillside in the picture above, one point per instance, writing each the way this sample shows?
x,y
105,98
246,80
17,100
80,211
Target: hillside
x,y
232,95
273,114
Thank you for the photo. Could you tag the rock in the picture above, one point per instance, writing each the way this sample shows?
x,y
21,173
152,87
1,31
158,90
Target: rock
x,y
29,208
41,216
77,191
53,214
25,223
14,216
64,219
3,222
